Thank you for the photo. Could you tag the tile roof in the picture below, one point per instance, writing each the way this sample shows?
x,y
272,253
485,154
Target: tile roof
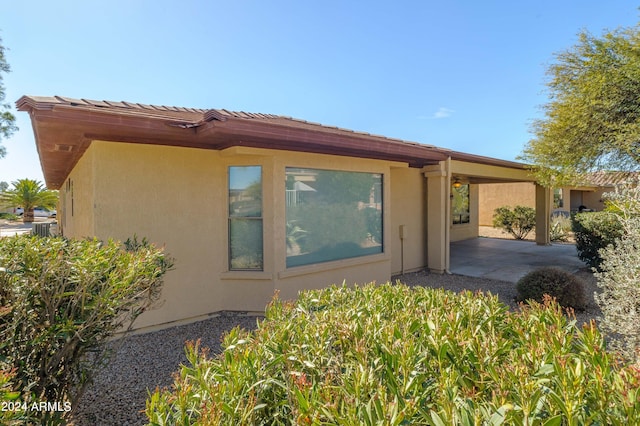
x,y
64,128
193,115
611,178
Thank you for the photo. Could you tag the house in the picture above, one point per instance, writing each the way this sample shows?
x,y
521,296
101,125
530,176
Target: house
x,y
567,199
253,203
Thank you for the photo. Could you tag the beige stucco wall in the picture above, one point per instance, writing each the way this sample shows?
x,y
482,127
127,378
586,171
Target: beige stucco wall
x,y
75,215
408,209
177,198
591,198
494,195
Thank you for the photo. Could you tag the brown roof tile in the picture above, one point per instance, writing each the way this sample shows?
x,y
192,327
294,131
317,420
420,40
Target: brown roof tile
x,y
611,178
81,120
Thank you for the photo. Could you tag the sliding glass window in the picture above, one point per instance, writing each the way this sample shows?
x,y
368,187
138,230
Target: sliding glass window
x,y
332,215
245,218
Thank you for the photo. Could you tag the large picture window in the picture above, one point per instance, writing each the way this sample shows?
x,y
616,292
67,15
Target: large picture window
x,y
245,218
332,215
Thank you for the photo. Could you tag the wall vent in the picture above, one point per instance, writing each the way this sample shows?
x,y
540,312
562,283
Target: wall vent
x,y
63,148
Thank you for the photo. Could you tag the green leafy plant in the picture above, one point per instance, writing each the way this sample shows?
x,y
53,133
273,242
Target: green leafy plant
x,y
9,216
393,355
619,278
566,288
29,194
594,231
518,222
11,412
60,301
560,228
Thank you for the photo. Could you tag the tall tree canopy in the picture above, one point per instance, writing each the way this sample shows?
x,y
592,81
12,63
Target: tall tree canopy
x,y
592,119
7,119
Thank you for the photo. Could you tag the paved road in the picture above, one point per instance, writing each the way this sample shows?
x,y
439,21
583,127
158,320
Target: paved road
x,y
9,229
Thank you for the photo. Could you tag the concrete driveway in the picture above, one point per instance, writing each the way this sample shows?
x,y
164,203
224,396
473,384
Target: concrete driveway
x,y
509,260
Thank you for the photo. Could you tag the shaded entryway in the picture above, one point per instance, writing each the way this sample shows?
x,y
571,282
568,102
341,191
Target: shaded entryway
x,y
509,260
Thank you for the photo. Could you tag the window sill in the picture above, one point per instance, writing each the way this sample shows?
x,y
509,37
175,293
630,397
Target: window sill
x,y
246,275
336,264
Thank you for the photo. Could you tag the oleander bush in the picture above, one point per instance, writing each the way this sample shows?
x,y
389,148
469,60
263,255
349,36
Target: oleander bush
x,y
395,355
60,300
9,415
566,288
593,232
518,222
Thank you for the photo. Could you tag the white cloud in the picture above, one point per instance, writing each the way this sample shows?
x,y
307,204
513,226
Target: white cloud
x,y
442,112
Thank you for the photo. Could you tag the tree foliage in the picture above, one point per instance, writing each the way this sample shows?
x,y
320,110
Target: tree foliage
x,y
592,119
28,194
7,119
619,276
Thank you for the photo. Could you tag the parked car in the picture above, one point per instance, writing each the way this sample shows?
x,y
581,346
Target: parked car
x,y
37,212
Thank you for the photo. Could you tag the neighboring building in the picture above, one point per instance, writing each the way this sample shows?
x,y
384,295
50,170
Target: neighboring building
x,y
568,199
253,203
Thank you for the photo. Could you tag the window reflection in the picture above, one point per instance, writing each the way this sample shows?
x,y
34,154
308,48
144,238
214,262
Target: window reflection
x,y
332,215
245,218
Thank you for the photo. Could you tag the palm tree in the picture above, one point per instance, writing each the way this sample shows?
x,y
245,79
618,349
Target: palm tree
x,y
28,194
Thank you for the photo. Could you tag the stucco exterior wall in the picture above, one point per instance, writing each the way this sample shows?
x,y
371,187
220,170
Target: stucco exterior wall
x,y
594,199
494,195
75,215
177,198
408,209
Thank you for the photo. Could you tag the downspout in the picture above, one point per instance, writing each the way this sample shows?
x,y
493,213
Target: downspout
x,y
447,229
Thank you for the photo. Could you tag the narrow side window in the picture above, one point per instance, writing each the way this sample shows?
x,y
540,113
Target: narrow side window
x,y
245,218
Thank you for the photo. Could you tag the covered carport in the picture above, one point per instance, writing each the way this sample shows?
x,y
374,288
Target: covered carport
x,y
473,170
509,260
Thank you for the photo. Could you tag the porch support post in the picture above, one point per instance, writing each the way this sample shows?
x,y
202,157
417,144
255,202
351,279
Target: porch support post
x,y
437,217
543,214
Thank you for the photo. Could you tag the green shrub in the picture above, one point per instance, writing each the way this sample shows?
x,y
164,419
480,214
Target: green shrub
x,y
620,276
560,228
518,222
9,216
60,301
394,355
11,412
566,288
594,231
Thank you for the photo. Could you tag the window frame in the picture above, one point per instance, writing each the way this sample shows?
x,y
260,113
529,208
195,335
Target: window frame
x,y
231,218
461,221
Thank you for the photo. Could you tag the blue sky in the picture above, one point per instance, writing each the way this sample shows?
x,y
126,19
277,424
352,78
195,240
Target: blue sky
x,y
460,74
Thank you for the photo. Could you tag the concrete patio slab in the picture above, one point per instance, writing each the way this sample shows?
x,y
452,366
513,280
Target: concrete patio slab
x,y
509,260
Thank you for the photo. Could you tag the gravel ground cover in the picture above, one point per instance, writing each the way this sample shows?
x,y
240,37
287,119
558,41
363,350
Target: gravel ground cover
x,y
118,394
147,361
